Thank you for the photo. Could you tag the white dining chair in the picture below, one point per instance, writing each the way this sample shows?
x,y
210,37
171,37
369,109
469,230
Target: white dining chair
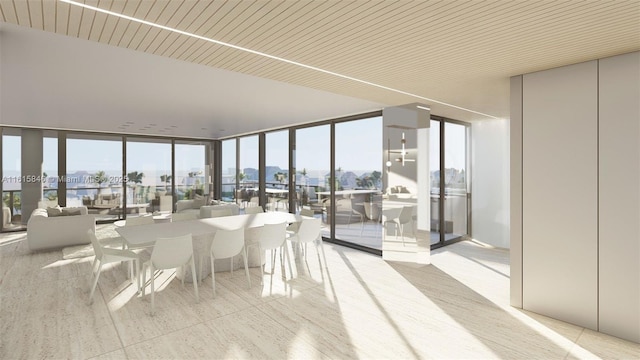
x,y
309,231
213,213
184,216
138,220
226,244
272,238
254,210
170,253
106,256
405,217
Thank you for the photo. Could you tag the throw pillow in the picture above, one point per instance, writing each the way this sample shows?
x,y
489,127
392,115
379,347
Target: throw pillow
x,y
54,211
197,203
70,211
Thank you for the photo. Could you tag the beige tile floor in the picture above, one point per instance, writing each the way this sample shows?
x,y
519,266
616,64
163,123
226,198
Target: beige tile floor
x,y
360,307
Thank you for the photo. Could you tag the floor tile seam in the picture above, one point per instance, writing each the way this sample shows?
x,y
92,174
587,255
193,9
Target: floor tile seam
x,y
113,323
275,319
574,343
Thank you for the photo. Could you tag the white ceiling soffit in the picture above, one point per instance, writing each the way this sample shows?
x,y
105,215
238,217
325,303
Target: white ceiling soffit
x,y
457,52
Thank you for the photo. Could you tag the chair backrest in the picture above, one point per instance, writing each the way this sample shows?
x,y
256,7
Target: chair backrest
x,y
169,253
254,210
309,230
273,235
227,243
220,212
97,248
184,216
139,220
306,212
406,214
254,201
372,210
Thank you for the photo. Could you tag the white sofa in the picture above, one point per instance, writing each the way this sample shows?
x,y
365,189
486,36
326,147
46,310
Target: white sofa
x,y
44,232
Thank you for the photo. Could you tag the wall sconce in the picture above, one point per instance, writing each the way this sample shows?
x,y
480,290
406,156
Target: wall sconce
x,y
403,153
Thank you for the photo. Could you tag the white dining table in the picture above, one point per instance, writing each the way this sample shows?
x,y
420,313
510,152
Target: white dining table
x,y
146,235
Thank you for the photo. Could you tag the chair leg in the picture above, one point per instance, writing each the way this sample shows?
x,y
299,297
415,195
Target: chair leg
x,y
213,278
153,304
246,266
144,280
201,257
195,280
231,263
286,255
184,274
95,283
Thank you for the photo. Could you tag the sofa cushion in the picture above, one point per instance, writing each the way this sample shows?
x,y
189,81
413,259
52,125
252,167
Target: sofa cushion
x,y
71,211
54,211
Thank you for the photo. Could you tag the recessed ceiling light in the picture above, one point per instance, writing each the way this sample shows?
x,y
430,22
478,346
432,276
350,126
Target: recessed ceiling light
x,y
423,107
222,43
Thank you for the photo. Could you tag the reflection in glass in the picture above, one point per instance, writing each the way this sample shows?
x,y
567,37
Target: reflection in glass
x,y
191,171
12,184
358,149
94,175
248,177
434,169
277,171
455,181
50,169
229,170
148,164
312,171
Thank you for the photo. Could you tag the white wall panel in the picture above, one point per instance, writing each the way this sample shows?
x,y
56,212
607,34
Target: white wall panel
x,y
619,183
515,194
560,193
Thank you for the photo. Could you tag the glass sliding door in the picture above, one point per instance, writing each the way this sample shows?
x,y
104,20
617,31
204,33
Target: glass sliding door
x,y
148,163
434,180
313,173
12,179
358,193
456,187
94,174
192,174
248,177
277,171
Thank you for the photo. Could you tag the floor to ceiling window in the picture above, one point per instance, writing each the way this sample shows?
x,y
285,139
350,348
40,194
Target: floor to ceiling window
x,y
249,175
94,174
192,176
148,164
456,187
229,170
449,187
50,167
434,180
358,193
277,171
313,173
12,179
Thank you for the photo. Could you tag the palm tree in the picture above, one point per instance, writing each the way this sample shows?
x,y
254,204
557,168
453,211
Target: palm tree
x,y
166,179
134,178
100,178
376,175
241,176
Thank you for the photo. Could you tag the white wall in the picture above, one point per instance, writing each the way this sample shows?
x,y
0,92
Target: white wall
x,y
490,182
559,185
580,190
619,196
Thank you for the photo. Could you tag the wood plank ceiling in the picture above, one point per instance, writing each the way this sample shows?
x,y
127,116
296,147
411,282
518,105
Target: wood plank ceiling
x,y
455,51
